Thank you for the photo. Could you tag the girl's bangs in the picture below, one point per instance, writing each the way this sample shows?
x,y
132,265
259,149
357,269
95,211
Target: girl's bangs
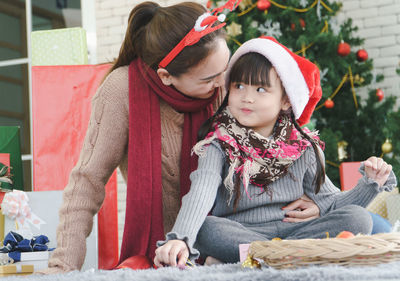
x,y
251,69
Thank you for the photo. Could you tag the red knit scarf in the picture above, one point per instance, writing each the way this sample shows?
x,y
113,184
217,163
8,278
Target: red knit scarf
x,y
144,218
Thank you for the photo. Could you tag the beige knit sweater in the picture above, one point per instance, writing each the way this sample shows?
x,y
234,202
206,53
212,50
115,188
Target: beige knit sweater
x,y
106,148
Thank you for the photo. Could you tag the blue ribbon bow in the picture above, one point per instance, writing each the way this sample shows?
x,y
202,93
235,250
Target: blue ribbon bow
x,y
14,244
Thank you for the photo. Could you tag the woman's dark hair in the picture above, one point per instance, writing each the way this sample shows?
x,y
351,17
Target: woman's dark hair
x,y
153,31
253,68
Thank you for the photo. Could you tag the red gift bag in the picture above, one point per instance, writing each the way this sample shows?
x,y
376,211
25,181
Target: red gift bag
x,y
61,103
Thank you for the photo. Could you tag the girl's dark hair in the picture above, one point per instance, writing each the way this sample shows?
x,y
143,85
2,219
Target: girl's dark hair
x,y
253,68
319,178
153,31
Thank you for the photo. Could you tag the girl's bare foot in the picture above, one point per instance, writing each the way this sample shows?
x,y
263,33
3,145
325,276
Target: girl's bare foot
x,y
211,260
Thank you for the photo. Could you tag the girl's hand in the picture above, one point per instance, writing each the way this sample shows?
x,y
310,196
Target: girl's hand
x,y
303,209
377,169
170,252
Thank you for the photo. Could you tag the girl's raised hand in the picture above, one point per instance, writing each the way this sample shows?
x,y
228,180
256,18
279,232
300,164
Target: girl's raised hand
x,y
172,253
377,169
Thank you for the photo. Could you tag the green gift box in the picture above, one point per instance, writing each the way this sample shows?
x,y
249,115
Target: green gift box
x,y
10,143
65,46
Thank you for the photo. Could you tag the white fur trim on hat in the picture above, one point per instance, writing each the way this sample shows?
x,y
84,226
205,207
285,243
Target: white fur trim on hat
x,y
285,65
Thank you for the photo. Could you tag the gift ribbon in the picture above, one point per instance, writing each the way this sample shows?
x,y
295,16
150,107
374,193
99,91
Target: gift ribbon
x,y
15,206
15,244
3,170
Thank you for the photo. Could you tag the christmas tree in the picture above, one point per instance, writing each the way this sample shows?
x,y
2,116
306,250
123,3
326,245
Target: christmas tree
x,y
353,128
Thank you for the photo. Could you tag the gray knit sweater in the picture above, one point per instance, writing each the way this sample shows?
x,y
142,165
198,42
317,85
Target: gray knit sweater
x,y
207,192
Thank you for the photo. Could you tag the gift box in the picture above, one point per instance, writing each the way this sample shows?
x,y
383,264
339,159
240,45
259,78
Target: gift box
x,y
5,184
48,212
66,46
31,256
39,260
15,269
10,143
349,175
5,159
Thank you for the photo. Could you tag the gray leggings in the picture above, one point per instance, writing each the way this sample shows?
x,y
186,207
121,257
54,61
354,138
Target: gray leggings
x,y
220,237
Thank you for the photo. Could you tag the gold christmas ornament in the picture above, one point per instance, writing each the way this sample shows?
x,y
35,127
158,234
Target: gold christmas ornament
x,y
234,29
251,263
387,147
358,79
342,153
244,4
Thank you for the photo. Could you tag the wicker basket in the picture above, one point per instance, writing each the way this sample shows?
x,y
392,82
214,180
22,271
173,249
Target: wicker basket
x,y
357,251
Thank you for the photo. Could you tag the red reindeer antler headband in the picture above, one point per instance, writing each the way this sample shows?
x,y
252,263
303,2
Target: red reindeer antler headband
x,y
202,27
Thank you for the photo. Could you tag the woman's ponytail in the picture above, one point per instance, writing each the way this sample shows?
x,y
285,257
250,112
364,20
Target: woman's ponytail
x,y
133,44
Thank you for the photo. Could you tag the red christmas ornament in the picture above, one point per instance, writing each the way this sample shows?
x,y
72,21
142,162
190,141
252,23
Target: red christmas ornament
x,y
302,23
362,55
343,49
379,94
345,234
329,103
209,3
263,5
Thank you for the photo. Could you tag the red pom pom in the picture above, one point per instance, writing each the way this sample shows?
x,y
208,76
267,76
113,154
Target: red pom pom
x,y
136,262
329,103
379,94
263,5
362,55
343,49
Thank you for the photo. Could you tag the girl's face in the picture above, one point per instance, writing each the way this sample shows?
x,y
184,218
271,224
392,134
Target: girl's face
x,y
200,81
258,106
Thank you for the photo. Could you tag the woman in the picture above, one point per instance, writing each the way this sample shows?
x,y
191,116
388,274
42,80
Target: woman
x,y
144,120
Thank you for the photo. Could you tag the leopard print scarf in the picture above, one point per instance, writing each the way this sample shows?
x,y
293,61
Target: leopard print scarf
x,y
253,158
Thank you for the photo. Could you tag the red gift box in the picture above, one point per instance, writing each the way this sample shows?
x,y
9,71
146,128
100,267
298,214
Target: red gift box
x,y
5,160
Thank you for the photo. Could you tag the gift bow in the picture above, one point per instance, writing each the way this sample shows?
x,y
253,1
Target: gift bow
x,y
5,180
3,170
15,206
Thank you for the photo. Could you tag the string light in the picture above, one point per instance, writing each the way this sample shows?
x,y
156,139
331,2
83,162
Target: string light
x,y
287,7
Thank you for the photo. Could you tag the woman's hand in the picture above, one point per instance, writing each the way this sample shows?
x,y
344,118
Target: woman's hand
x,y
377,169
172,253
303,209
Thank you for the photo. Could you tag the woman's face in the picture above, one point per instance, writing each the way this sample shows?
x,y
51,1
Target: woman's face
x,y
200,81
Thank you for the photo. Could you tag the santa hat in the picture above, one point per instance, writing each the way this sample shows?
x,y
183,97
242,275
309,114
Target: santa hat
x,y
299,76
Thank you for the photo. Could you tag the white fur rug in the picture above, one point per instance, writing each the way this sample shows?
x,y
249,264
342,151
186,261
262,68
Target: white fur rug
x,y
231,272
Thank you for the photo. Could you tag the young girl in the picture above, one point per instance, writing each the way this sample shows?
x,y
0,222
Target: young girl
x,y
257,158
